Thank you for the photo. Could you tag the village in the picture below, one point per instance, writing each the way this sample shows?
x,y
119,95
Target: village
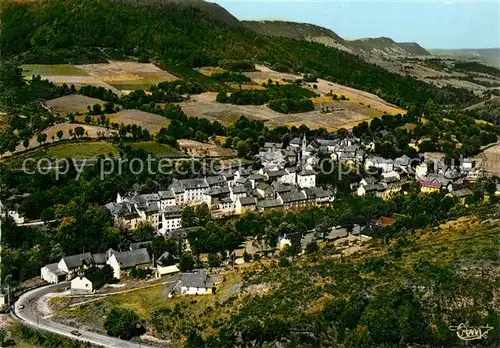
x,y
286,180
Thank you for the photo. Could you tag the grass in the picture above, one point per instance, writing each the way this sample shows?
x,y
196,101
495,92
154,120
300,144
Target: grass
x,y
52,69
147,120
80,150
154,147
85,149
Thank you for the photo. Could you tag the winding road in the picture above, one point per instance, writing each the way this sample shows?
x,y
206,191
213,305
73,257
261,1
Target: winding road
x,y
25,312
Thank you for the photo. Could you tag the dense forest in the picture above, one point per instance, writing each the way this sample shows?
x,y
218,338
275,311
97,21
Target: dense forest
x,y
57,31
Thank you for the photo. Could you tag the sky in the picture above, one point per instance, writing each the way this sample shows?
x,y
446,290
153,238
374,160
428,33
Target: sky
x,y
448,24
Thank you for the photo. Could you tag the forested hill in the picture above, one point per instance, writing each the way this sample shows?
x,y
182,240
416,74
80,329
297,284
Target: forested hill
x,y
77,31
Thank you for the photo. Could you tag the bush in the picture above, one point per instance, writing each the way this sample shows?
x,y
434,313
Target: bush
x,y
123,323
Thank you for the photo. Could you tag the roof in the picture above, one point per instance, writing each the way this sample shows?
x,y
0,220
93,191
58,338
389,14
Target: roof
x,y
317,192
100,258
262,186
53,268
78,260
140,245
293,197
244,201
193,184
370,180
305,172
215,191
172,210
386,221
239,189
132,258
276,173
166,194
430,183
197,280
256,176
216,180
271,203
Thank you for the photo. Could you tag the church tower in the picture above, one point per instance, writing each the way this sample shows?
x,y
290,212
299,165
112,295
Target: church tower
x,y
304,150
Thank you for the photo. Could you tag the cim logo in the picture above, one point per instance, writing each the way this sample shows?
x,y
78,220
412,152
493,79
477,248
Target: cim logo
x,y
466,333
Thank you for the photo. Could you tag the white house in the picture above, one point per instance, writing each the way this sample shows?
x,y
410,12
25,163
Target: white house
x,y
74,263
122,261
167,198
245,204
196,284
171,219
81,285
421,171
306,178
52,274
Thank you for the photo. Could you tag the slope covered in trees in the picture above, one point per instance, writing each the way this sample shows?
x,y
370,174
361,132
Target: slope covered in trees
x,y
57,31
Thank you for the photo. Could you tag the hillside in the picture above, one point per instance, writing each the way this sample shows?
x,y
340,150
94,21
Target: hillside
x,y
490,56
414,49
383,46
298,31
58,31
407,292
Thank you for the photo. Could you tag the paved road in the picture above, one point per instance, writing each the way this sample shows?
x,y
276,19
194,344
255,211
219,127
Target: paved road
x,y
30,317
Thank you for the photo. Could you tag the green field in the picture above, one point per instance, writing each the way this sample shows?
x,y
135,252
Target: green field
x,y
154,147
64,150
52,69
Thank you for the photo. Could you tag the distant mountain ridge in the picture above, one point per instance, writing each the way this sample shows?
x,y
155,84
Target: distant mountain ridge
x,y
414,48
298,31
489,56
383,46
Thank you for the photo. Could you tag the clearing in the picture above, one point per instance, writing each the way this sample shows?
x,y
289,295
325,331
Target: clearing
x,y
127,76
75,103
91,132
342,114
147,120
84,149
490,159
197,149
154,147
51,69
120,77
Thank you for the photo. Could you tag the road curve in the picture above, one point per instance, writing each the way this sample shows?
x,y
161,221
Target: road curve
x,y
28,316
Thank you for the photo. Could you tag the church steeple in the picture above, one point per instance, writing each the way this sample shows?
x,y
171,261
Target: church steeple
x,y
304,148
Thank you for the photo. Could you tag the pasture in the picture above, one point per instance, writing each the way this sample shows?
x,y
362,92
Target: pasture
x,y
75,103
147,120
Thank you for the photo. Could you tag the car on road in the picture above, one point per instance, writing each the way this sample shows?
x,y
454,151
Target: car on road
x,y
20,306
75,333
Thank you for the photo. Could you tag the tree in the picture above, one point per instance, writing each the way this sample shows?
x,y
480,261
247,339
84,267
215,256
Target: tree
x,y
123,323
214,260
79,131
188,217
247,257
203,214
26,143
60,134
109,107
96,109
186,262
88,119
144,231
41,138
312,247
